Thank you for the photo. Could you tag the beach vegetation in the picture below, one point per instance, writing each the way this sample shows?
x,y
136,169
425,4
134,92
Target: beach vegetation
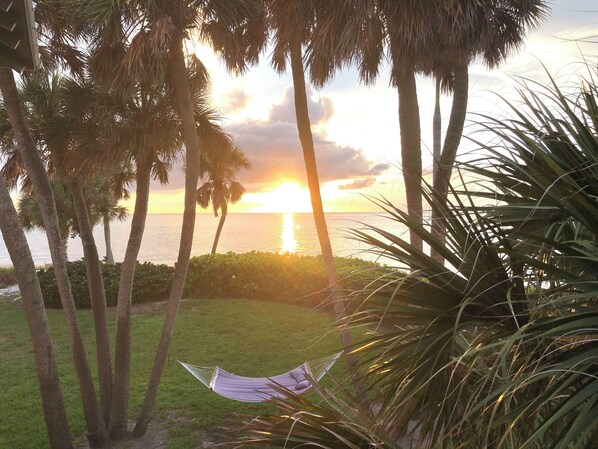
x,y
497,348
7,277
288,278
146,43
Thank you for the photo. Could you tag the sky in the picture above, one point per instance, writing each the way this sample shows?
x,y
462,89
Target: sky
x,y
355,128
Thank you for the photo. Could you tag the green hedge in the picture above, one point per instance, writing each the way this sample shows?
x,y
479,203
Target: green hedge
x,y
254,275
151,283
7,277
266,276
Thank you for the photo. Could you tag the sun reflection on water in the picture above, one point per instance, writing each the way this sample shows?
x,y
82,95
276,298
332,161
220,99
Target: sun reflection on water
x,y
288,243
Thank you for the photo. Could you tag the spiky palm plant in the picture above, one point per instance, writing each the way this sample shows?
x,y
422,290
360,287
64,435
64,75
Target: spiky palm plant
x,y
498,350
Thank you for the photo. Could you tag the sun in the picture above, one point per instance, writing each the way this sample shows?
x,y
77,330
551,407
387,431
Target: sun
x,y
286,197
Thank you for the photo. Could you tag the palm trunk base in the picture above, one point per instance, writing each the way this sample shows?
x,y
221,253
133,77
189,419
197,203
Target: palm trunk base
x,y
118,433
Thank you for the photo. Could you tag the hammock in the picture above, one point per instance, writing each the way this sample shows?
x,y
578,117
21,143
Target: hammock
x,y
260,389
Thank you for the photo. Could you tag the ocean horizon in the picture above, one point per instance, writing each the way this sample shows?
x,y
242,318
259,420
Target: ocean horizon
x,y
242,232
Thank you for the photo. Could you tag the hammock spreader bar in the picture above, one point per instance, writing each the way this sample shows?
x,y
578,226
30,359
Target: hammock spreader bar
x,y
260,389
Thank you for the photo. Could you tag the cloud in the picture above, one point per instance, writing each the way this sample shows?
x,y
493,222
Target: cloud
x,y
358,184
275,153
235,101
320,110
378,169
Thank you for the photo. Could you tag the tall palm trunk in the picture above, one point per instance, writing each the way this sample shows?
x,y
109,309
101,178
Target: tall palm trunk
x,y
33,304
45,200
97,295
223,213
451,143
122,348
411,157
185,105
64,242
436,130
309,157
108,239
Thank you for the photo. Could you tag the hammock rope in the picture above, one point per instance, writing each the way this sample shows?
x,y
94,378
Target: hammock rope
x,y
260,389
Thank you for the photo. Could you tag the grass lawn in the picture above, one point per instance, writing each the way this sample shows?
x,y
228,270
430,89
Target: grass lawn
x,y
251,338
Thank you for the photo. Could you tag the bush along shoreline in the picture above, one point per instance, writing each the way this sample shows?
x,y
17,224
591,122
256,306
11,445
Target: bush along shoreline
x,y
256,275
7,277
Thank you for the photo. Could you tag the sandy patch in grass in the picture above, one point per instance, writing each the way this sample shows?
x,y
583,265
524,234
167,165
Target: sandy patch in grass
x,y
157,436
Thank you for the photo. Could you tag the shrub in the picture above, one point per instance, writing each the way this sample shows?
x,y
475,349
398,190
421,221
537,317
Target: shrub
x,y
151,283
254,275
7,277
265,276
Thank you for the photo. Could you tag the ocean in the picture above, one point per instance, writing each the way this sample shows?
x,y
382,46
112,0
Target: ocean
x,y
242,233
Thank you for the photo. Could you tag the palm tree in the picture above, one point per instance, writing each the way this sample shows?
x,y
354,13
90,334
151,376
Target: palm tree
x,y
44,196
156,51
104,201
31,218
103,198
54,26
148,132
449,35
204,117
33,305
64,114
501,29
221,162
292,23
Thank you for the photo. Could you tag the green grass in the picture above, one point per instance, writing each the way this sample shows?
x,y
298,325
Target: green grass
x,y
251,338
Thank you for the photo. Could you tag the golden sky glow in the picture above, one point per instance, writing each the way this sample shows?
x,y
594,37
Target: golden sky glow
x,y
285,197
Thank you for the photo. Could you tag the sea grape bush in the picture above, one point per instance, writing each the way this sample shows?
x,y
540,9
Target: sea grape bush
x,y
152,283
267,276
255,275
7,277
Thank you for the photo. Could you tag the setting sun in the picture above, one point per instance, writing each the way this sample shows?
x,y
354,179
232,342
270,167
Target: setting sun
x,y
286,197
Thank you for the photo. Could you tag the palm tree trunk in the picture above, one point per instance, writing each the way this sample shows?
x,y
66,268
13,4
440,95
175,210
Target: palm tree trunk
x,y
39,329
451,143
64,241
313,182
436,130
108,240
122,348
45,199
185,104
97,295
224,211
411,156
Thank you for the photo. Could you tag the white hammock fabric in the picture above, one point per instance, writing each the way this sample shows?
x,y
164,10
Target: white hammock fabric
x,y
260,389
